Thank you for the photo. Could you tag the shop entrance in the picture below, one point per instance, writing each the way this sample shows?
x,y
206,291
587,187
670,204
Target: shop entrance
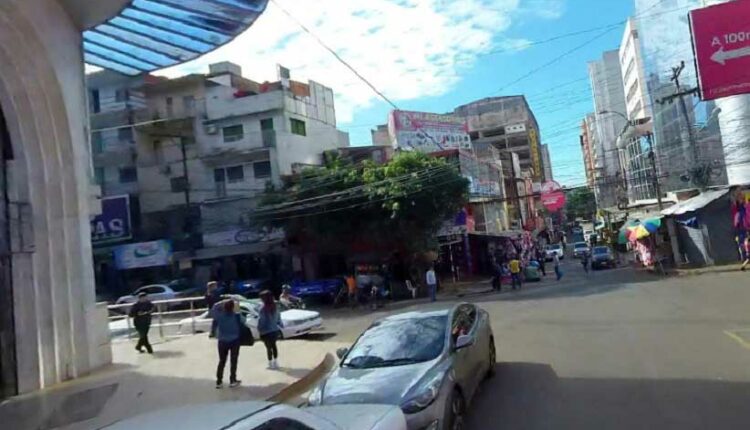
x,y
8,377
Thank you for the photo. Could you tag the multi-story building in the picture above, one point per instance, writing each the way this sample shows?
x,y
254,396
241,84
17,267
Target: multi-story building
x,y
508,124
547,163
202,148
633,73
610,120
586,138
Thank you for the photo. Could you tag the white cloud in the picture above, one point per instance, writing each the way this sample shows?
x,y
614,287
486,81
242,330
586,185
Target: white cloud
x,y
407,48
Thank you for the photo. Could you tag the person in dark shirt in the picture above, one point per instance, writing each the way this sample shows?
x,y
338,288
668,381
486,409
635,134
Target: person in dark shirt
x,y
141,313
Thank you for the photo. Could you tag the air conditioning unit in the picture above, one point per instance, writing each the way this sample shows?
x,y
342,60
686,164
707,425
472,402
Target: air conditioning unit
x,y
166,170
211,129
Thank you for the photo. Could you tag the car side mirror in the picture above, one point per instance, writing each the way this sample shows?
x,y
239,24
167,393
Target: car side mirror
x,y
341,352
463,341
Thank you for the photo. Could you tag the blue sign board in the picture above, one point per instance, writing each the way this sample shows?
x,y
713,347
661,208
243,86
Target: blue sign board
x,y
144,254
113,225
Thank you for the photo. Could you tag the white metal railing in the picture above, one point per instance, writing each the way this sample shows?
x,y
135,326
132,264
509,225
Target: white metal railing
x,y
163,308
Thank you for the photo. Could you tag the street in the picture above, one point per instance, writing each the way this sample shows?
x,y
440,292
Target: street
x,y
612,349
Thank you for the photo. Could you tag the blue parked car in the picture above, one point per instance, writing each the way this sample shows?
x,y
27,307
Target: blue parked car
x,y
319,288
251,288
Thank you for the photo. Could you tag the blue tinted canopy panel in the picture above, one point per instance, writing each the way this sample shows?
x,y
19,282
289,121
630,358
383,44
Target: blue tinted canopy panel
x,y
149,35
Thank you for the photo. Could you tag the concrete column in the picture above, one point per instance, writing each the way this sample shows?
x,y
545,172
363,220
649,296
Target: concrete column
x,y
43,98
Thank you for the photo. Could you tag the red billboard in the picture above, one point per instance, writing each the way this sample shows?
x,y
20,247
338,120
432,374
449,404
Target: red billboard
x,y
721,43
553,197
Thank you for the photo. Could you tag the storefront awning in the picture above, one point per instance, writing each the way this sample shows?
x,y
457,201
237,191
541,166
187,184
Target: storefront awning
x,y
229,251
698,202
149,35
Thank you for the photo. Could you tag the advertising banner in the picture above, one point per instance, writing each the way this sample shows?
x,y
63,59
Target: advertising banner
x,y
144,254
241,237
721,43
428,132
113,224
536,157
553,198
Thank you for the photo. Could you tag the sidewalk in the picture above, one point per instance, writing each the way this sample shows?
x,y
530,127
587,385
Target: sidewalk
x,y
179,372
735,267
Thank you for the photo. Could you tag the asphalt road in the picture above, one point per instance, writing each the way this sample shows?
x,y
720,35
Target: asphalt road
x,y
614,349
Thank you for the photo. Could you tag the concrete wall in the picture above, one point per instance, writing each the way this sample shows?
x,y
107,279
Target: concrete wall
x,y
42,95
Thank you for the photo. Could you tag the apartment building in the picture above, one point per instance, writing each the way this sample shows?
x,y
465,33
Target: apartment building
x,y
633,75
587,140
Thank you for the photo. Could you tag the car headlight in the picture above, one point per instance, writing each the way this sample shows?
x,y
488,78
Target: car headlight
x,y
424,398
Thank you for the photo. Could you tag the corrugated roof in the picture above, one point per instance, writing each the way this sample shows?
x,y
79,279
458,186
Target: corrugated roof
x,y
698,202
149,35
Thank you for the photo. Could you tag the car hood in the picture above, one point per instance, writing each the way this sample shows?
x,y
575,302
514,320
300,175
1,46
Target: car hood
x,y
298,314
384,385
361,417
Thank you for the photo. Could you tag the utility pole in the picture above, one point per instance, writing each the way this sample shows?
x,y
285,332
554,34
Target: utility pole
x,y
676,72
654,172
188,225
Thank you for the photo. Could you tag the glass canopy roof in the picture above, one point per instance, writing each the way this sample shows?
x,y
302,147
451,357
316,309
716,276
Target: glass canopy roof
x,y
153,34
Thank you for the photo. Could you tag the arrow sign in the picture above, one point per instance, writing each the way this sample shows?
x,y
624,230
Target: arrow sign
x,y
721,56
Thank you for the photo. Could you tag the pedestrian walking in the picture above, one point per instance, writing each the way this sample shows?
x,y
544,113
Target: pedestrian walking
x,y
558,271
540,257
228,331
351,289
585,261
747,253
269,327
141,313
431,280
497,277
515,273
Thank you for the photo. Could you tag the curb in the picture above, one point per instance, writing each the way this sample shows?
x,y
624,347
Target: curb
x,y
306,383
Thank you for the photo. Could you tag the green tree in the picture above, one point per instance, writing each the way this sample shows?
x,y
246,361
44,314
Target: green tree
x,y
399,204
581,203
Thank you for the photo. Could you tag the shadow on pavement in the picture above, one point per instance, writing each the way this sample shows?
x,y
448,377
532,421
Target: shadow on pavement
x,y
105,402
532,396
319,336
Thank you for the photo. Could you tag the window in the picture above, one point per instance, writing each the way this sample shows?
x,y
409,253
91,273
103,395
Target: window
x,y
229,174
266,124
96,106
169,102
99,175
463,321
282,424
122,95
262,169
97,143
125,134
233,133
219,175
189,103
298,127
235,174
128,175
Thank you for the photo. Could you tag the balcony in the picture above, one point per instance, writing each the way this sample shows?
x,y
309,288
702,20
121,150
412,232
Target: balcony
x,y
224,106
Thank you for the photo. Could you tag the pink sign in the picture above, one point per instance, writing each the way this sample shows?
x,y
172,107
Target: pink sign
x,y
721,42
553,198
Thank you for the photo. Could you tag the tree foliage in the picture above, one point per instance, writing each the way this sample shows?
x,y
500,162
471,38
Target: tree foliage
x,y
401,203
581,203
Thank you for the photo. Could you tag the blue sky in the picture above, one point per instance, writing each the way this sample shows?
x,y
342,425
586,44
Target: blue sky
x,y
559,110
433,55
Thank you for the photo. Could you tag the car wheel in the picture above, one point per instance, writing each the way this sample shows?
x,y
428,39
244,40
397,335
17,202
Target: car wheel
x,y
456,408
493,358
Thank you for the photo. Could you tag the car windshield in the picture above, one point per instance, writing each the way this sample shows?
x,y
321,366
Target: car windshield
x,y
554,247
580,245
398,342
599,250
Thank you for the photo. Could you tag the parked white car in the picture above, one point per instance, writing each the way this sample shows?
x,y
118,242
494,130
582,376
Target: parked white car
x,y
297,322
264,415
553,249
153,292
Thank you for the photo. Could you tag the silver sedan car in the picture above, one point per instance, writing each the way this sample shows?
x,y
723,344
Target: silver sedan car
x,y
429,363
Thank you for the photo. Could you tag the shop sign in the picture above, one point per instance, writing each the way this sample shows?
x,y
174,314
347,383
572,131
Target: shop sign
x,y
144,254
553,198
113,224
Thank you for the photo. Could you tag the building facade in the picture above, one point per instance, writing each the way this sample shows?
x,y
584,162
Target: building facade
x,y
588,128
637,100
610,121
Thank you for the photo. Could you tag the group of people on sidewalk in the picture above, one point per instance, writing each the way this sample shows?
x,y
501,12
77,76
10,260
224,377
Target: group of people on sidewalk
x,y
231,333
227,326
